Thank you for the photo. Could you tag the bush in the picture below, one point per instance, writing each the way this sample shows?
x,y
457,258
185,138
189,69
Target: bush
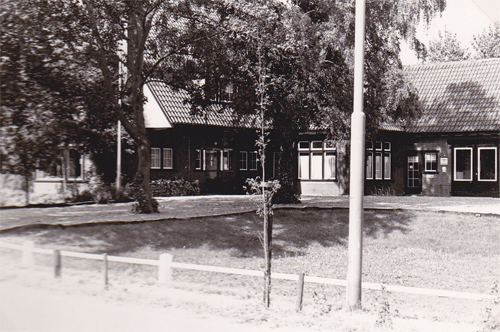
x,y
84,196
174,187
103,193
140,197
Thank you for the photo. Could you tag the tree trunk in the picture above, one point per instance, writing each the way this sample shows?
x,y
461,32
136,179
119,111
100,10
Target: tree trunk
x,y
143,195
268,248
288,175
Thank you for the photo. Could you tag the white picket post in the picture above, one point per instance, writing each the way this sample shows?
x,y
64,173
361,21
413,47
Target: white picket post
x,y
165,268
28,259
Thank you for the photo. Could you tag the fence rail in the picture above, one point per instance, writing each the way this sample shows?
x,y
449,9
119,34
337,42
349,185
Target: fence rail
x,y
165,264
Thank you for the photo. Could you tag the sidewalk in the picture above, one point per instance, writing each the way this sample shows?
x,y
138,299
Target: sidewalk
x,y
201,206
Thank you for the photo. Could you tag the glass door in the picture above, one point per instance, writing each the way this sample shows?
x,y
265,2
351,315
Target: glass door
x,y
413,176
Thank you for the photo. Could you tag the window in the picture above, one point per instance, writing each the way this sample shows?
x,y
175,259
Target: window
x,y
487,164
168,158
463,164
253,160
225,160
378,166
412,175
369,165
430,159
378,161
228,93
330,165
317,161
243,160
155,158
387,165
210,158
198,160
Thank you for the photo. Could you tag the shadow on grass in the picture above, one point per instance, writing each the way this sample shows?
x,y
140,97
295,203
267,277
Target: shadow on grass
x,y
294,231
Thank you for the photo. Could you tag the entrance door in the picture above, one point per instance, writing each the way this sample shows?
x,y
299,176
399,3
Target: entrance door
x,y
413,176
212,163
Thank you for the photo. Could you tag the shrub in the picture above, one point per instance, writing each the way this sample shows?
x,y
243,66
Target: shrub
x,y
140,205
103,193
84,196
174,187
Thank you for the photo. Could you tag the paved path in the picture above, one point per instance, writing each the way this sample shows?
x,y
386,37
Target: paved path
x,y
32,309
198,206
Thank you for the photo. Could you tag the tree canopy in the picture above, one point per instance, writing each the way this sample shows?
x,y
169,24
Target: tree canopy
x,y
303,49
447,47
487,43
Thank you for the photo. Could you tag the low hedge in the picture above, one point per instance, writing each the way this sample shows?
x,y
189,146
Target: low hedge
x,y
174,187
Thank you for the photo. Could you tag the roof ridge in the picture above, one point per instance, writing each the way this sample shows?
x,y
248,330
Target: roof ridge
x,y
455,63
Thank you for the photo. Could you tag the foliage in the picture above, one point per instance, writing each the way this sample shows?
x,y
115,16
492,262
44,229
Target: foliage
x,y
446,47
303,47
142,203
255,187
51,90
41,106
487,44
103,192
84,196
174,187
321,304
384,319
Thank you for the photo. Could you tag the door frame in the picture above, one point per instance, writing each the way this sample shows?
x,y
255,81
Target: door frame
x,y
415,189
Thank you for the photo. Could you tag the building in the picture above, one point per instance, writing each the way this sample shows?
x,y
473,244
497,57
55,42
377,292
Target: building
x,y
452,149
217,148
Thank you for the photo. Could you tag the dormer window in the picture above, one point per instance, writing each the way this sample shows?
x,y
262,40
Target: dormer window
x,y
228,93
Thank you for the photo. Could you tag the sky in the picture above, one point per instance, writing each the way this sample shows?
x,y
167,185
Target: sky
x,y
466,18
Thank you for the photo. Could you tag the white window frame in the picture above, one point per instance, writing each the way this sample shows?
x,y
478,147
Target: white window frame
x,y
168,163
389,176
369,175
256,154
479,149
379,166
226,152
375,149
333,153
199,157
435,154
156,158
455,165
243,158
315,148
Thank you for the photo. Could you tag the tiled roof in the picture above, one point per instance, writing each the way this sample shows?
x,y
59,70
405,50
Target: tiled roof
x,y
177,111
461,96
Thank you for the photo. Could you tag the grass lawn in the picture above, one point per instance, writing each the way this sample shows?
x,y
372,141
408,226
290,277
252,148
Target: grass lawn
x,y
450,251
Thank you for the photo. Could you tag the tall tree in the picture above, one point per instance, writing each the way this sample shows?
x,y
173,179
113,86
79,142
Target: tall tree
x,y
41,105
446,48
487,43
307,49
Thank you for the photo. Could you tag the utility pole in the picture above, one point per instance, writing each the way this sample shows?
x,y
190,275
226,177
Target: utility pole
x,y
122,74
356,183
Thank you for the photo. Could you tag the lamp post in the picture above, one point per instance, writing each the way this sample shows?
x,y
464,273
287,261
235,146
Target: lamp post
x,y
356,183
122,72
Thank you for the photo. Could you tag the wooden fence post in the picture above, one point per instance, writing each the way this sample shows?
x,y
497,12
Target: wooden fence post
x,y
300,292
28,259
165,269
57,263
105,270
